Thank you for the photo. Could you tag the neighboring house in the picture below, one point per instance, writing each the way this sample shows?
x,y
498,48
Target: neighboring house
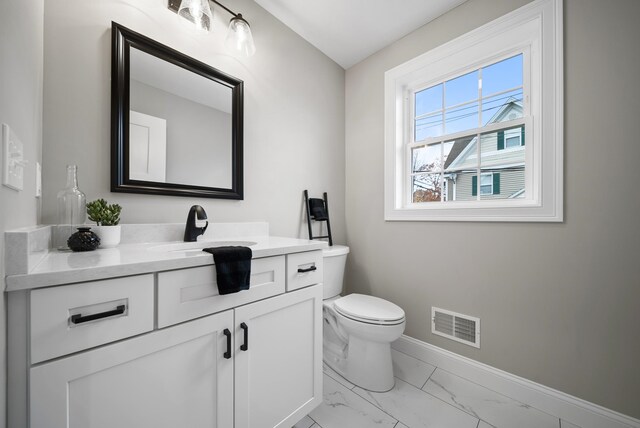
x,y
502,162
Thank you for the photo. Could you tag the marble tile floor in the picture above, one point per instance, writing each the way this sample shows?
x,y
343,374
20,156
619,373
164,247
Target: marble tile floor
x,y
424,397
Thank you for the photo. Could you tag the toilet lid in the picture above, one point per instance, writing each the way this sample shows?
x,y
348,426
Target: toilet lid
x,y
369,309
335,250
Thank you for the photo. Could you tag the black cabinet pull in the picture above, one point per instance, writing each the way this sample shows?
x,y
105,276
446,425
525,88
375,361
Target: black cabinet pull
x,y
79,319
309,269
227,333
245,345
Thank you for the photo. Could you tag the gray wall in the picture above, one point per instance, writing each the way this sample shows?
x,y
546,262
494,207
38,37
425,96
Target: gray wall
x,y
559,303
198,136
294,112
21,29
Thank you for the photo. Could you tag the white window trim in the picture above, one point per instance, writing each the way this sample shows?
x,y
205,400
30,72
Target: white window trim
x,y
533,26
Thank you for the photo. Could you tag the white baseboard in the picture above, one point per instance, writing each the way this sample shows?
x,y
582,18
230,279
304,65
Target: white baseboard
x,y
551,401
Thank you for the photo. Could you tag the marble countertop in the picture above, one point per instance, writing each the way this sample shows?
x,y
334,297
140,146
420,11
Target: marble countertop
x,y
58,268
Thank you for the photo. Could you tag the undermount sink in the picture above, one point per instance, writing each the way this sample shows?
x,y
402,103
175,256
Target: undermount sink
x,y
198,246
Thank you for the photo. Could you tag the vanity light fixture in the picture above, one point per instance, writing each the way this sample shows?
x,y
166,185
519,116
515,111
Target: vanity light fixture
x,y
197,11
239,38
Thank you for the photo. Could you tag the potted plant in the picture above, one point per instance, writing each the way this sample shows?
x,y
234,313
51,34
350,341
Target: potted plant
x,y
107,217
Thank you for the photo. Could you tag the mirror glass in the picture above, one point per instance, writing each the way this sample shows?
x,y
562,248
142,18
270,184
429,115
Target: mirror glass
x,y
176,122
179,125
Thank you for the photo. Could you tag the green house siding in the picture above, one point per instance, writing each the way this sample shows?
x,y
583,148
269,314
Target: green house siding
x,y
464,187
510,182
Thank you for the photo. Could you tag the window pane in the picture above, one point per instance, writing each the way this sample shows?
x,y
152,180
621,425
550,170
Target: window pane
x,y
501,76
461,89
429,100
506,183
426,158
460,163
461,154
427,188
502,107
459,184
486,180
447,147
507,164
461,118
429,126
512,141
486,184
494,144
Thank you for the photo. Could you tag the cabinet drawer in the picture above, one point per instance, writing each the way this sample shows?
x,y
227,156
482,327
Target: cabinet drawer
x,y
190,293
304,269
74,317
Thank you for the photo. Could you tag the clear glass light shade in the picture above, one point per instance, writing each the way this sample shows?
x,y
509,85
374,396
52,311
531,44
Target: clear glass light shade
x,y
198,12
239,38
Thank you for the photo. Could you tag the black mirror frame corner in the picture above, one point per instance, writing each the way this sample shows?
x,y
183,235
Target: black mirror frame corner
x,y
122,39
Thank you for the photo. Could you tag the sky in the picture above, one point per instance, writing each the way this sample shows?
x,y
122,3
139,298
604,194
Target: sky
x,y
501,82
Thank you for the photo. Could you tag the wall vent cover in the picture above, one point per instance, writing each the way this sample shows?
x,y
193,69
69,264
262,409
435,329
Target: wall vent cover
x,y
455,326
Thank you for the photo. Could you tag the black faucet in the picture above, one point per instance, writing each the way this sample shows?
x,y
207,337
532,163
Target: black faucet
x,y
191,232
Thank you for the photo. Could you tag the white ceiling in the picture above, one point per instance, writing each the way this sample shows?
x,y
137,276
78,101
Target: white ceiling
x,y
348,31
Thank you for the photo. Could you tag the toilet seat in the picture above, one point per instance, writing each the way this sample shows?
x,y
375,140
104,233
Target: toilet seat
x,y
369,309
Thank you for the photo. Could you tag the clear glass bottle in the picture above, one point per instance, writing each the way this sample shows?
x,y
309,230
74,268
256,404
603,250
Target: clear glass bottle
x,y
72,208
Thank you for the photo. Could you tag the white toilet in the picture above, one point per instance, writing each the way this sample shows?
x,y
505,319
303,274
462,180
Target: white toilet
x,y
358,329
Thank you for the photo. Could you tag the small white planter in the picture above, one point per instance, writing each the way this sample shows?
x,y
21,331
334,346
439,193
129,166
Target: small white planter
x,y
109,235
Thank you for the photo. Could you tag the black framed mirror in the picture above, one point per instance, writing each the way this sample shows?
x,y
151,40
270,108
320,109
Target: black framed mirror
x,y
176,122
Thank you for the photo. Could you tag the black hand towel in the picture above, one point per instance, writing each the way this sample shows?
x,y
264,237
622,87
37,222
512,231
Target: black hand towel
x,y
233,268
318,210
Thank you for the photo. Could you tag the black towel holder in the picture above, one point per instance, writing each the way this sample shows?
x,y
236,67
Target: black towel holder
x,y
309,218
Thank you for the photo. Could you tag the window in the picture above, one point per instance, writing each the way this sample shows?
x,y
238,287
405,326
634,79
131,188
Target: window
x,y
465,110
486,184
489,184
513,142
448,119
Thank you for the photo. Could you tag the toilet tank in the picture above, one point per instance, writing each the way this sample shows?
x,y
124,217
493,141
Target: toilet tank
x,y
335,258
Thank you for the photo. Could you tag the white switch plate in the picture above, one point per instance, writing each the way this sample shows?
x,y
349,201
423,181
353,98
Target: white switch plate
x,y
13,159
38,180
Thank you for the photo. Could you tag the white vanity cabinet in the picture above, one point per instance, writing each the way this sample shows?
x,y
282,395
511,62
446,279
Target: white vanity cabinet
x,y
278,360
177,377
165,350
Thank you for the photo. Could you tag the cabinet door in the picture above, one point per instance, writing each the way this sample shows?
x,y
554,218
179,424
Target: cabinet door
x,y
279,373
177,377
